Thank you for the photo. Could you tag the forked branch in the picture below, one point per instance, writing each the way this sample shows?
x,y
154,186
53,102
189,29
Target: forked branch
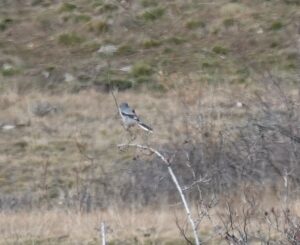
x,y
175,181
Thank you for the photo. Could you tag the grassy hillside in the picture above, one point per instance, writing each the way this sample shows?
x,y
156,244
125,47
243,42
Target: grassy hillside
x,y
60,45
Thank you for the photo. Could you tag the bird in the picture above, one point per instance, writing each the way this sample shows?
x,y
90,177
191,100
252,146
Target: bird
x,y
130,118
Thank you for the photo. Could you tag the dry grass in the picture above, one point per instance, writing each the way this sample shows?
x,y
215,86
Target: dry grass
x,y
141,226
91,119
72,227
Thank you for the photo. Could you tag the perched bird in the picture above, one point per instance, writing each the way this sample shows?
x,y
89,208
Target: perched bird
x,y
130,118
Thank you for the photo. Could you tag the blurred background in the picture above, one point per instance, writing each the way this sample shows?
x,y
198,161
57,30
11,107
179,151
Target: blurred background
x,y
217,80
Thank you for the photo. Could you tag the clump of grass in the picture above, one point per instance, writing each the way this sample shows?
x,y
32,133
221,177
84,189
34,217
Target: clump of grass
x,y
53,192
207,65
67,7
125,49
243,75
82,18
142,80
168,50
148,3
36,2
194,24
210,64
151,43
157,87
84,78
220,50
274,44
229,22
98,26
9,71
153,14
5,23
97,3
141,69
215,31
70,39
176,40
108,7
66,18
292,56
120,84
90,47
276,25
290,66
50,68
296,2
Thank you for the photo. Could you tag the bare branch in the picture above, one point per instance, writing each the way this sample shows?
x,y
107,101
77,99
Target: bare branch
x,y
175,181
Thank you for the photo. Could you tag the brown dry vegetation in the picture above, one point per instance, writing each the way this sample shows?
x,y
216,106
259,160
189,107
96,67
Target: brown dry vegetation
x,y
218,82
149,226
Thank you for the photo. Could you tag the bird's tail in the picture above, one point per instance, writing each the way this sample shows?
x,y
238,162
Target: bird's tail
x,y
145,127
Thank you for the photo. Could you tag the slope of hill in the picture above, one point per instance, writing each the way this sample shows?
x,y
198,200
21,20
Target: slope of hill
x,y
64,46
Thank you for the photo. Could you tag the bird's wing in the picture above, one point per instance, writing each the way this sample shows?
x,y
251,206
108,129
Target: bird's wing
x,y
128,112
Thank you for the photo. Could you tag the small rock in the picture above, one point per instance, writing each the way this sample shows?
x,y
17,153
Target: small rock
x,y
126,69
7,67
108,49
239,104
69,77
7,127
260,31
46,74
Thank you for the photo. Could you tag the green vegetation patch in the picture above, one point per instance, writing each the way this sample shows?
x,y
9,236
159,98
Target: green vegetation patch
x,y
9,70
149,3
194,24
207,65
229,22
70,39
151,43
153,14
125,49
90,47
141,69
220,50
5,23
120,84
157,87
274,44
98,26
97,3
276,25
82,18
108,7
67,7
176,40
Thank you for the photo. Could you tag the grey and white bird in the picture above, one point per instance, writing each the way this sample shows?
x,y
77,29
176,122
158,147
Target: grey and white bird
x,y
130,118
